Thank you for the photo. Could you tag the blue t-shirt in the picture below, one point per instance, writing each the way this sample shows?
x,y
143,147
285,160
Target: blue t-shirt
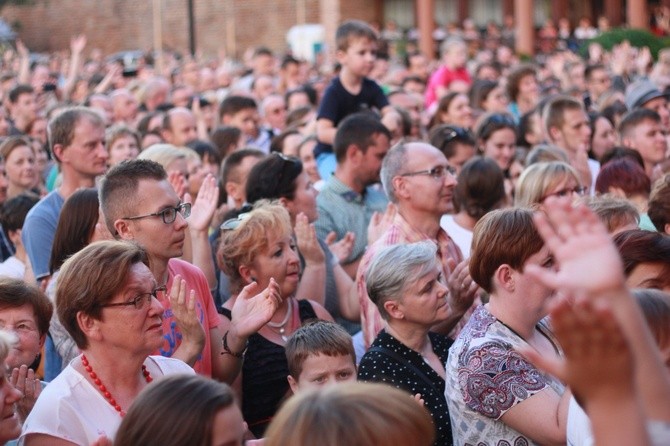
x,y
39,230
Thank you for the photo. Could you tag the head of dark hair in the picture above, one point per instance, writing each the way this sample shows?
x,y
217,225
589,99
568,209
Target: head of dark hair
x,y
224,138
235,104
206,151
622,152
634,118
479,91
637,246
75,227
625,174
353,29
357,129
514,79
446,138
16,293
19,90
480,187
273,177
15,209
229,167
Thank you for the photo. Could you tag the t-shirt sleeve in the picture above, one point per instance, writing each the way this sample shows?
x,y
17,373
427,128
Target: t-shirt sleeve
x,y
379,99
494,378
328,106
37,236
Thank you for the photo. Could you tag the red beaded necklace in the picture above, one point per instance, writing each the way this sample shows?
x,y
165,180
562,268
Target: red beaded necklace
x,y
108,396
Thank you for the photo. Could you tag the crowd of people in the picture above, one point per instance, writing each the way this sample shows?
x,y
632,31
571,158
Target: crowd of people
x,y
483,244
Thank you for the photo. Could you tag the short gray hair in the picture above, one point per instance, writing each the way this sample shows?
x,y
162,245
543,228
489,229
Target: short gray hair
x,y
392,166
395,267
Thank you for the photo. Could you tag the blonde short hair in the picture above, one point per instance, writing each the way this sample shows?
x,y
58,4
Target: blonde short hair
x,y
354,414
537,179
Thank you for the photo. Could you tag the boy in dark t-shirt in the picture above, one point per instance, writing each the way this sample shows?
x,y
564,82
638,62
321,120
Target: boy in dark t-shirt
x,y
351,91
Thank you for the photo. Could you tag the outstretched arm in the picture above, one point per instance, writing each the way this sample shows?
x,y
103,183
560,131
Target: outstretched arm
x,y
590,266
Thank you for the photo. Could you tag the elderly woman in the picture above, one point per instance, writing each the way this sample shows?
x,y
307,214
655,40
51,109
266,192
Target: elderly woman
x,y
10,428
540,181
258,247
404,282
282,178
26,311
106,299
494,394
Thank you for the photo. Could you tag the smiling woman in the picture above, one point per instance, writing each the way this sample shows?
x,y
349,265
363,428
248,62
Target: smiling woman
x,y
10,428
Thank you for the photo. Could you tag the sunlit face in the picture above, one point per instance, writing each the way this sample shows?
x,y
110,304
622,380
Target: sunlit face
x,y
279,261
123,148
649,275
359,57
575,134
228,427
496,101
21,320
648,139
462,153
500,147
371,160
459,112
567,188
604,137
319,370
660,106
246,120
304,199
529,90
10,427
424,302
20,167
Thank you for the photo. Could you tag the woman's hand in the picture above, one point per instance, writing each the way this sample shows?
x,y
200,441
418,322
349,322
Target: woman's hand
x,y
25,381
308,243
178,183
588,262
252,311
341,249
193,335
462,289
202,210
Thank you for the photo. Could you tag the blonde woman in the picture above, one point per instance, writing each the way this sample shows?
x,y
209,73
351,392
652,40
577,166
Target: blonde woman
x,y
548,179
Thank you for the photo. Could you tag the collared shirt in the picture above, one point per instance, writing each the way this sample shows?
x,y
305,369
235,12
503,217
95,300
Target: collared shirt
x,y
400,231
342,210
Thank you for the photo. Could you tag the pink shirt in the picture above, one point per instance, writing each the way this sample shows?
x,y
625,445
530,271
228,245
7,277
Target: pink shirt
x,y
204,307
443,77
400,231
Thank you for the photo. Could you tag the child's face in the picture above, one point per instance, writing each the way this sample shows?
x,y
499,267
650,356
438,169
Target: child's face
x,y
320,370
246,120
359,58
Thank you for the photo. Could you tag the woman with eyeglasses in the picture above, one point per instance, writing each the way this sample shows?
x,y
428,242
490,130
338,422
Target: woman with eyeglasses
x,y
258,247
457,144
540,181
322,279
106,300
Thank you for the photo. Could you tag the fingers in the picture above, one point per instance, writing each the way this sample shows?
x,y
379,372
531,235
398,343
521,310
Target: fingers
x,y
331,238
249,290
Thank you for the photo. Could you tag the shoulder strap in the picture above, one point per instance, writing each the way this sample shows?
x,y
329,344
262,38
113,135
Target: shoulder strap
x,y
399,359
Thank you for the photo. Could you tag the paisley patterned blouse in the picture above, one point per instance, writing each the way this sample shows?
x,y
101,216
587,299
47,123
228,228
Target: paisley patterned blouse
x,y
486,377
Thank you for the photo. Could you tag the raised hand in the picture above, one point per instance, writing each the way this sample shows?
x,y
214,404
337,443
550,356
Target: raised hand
x,y
341,249
193,335
251,311
307,241
379,223
78,43
178,182
598,362
462,289
25,381
204,207
588,262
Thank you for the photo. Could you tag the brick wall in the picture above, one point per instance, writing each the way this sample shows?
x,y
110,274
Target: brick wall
x,y
115,25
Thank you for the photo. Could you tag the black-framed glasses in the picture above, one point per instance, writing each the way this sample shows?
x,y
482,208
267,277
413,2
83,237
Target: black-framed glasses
x,y
436,173
139,301
233,223
169,215
579,190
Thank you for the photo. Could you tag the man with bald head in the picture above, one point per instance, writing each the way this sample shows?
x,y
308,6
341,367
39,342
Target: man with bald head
x,y
179,127
125,107
419,181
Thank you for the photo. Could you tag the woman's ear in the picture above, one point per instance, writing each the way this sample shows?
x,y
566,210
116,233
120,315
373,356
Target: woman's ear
x,y
246,273
393,309
89,325
503,278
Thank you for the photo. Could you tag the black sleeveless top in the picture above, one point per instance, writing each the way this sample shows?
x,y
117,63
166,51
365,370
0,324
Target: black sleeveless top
x,y
264,372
